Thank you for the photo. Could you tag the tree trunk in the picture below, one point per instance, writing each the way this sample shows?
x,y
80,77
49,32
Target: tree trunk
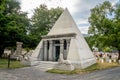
x,y
1,50
118,54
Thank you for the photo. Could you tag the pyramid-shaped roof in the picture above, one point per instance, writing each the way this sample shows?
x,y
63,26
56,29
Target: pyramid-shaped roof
x,y
78,52
64,25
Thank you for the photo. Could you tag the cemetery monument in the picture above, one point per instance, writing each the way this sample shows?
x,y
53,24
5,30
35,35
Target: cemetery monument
x,y
66,39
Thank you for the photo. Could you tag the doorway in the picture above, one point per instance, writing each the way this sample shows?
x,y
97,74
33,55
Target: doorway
x,y
57,49
57,52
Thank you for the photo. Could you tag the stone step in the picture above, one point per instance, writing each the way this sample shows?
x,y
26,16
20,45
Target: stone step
x,y
45,65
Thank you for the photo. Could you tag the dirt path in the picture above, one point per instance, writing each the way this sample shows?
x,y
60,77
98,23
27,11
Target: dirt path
x,y
32,73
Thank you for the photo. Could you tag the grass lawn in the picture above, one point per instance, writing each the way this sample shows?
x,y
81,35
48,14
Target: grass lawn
x,y
97,66
13,64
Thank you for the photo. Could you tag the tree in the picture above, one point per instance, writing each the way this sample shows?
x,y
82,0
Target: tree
x,y
2,3
43,20
106,29
13,24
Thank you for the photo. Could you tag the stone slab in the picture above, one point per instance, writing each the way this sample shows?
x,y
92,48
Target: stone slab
x,y
64,67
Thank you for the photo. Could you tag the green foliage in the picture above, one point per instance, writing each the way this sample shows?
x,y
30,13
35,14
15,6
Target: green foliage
x,y
105,29
13,64
90,41
107,49
43,20
61,71
2,3
13,24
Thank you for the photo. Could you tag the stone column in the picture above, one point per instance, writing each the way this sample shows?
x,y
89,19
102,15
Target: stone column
x,y
45,51
50,58
61,46
68,44
19,48
41,53
18,54
54,54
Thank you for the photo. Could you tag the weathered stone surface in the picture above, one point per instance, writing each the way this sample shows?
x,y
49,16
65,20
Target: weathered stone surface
x,y
67,40
24,62
62,66
19,48
119,61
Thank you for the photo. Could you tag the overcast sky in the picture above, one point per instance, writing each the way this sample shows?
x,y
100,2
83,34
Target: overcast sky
x,y
79,9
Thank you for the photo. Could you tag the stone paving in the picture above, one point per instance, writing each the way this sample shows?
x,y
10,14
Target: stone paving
x,y
32,73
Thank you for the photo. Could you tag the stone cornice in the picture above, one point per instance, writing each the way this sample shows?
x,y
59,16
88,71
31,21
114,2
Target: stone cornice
x,y
59,36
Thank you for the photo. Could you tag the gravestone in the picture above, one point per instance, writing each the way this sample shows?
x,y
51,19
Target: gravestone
x,y
18,53
119,61
114,58
107,58
102,60
110,61
19,48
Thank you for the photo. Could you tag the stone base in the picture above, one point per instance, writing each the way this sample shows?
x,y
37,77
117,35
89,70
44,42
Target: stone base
x,y
61,66
83,63
15,57
29,63
119,61
23,62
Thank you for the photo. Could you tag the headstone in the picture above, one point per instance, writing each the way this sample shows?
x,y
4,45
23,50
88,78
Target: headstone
x,y
114,58
18,53
107,58
102,60
110,61
119,61
19,48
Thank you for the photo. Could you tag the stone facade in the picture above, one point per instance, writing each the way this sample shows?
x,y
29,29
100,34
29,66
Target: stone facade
x,y
66,39
54,45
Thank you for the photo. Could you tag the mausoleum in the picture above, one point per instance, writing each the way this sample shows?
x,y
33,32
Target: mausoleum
x,y
66,39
